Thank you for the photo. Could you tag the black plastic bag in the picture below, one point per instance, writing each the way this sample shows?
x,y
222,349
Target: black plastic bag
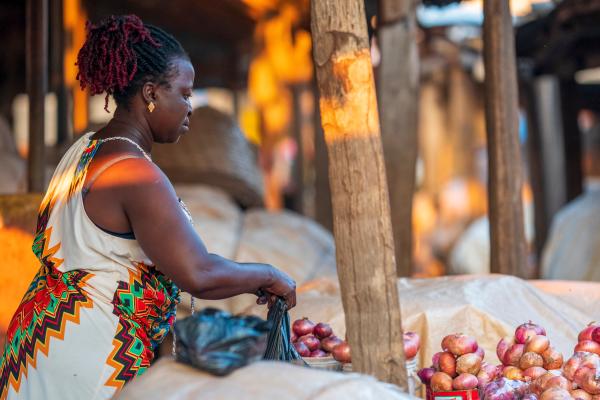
x,y
279,344
219,343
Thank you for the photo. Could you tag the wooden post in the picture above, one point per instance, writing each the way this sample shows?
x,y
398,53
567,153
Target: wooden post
x,y
57,81
398,89
504,185
37,83
361,213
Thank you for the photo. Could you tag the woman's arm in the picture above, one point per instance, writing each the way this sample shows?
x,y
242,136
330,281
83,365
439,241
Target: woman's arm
x,y
170,241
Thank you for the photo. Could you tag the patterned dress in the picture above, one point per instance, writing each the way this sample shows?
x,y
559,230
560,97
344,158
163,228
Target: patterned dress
x,y
96,310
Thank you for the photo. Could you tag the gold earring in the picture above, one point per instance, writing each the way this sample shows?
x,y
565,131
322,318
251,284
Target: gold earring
x,y
151,106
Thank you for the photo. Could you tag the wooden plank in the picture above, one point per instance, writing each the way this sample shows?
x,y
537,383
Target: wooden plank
x,y
362,226
398,90
508,247
37,83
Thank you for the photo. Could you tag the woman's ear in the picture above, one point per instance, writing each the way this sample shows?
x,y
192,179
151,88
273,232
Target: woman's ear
x,y
149,92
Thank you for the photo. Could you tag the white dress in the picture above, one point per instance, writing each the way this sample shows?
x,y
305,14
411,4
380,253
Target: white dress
x,y
97,309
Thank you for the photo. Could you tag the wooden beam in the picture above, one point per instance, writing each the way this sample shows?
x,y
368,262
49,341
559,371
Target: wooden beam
x,y
507,236
361,213
298,166
37,83
57,81
398,89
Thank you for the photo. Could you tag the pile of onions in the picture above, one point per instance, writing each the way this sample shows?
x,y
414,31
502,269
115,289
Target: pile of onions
x,y
527,355
589,339
316,340
583,372
459,366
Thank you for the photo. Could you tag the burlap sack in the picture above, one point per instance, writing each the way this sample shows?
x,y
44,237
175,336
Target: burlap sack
x,y
263,380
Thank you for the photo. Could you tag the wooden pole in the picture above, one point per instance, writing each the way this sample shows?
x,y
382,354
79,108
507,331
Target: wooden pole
x,y
361,213
572,138
504,185
57,81
398,89
298,167
37,83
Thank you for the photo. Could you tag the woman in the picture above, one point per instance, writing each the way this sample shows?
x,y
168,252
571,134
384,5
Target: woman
x,y
114,242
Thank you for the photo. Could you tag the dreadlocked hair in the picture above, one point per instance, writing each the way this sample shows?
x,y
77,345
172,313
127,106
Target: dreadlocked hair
x,y
121,54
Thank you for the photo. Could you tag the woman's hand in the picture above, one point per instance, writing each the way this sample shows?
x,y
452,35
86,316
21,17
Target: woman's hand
x,y
283,286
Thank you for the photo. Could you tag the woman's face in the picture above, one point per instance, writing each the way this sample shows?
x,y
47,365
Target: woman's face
x,y
171,116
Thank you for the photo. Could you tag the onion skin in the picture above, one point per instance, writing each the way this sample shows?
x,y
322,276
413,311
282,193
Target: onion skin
x,y
441,382
448,364
329,343
531,359
579,394
483,378
529,396
310,341
425,375
586,333
596,335
557,382
480,352
435,360
513,373
534,372
318,353
465,382
526,331
459,344
581,374
412,342
341,353
590,383
322,330
588,345
303,327
468,364
302,349
513,355
553,359
556,393
503,345
537,344
490,369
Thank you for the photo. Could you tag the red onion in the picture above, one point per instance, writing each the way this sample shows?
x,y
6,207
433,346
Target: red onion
x,y
590,382
526,331
318,353
480,352
448,364
435,360
293,337
441,382
530,359
553,359
322,330
330,342
513,355
465,382
534,372
302,349
588,345
483,378
557,381
581,374
580,359
341,353
513,373
586,333
411,344
468,364
596,335
537,344
579,394
303,327
459,344
310,341
490,369
425,375
556,393
503,345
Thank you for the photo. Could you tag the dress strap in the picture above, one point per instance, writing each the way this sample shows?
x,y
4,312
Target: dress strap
x,y
102,169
